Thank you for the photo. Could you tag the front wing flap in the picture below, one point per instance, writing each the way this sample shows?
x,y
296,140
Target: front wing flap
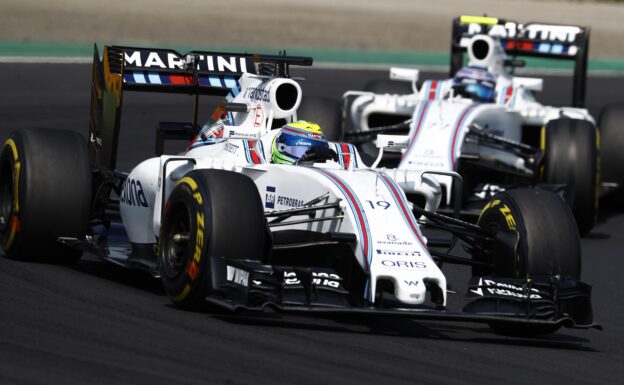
x,y
250,286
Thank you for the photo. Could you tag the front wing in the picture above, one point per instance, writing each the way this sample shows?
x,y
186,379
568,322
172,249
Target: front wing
x,y
249,286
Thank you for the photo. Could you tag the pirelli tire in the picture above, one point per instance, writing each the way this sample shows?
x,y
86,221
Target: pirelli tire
x,y
325,112
209,213
549,241
45,193
571,157
611,128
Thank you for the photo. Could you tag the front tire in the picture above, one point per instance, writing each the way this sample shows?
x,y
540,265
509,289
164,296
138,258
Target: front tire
x,y
209,213
549,242
45,193
571,158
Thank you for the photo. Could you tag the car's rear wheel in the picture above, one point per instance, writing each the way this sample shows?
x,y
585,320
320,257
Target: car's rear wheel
x,y
209,213
611,126
549,242
571,158
45,193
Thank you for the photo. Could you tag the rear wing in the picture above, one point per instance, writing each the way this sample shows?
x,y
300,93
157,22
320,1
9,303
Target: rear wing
x,y
559,42
167,71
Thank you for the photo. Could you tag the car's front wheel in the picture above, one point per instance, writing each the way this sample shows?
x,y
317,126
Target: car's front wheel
x,y
209,213
548,242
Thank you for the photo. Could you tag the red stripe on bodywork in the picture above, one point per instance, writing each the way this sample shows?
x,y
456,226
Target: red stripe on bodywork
x,y
508,94
405,211
433,90
346,155
420,120
254,155
460,122
358,211
181,79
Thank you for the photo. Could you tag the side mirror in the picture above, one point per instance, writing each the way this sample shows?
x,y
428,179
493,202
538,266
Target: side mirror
x,y
405,75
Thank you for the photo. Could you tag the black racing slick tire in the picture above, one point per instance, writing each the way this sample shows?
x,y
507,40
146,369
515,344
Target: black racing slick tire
x,y
548,244
325,112
611,128
45,193
209,213
571,158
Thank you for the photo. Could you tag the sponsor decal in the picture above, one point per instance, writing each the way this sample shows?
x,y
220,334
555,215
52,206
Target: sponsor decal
x,y
427,164
132,193
231,148
242,134
258,116
269,199
257,93
403,265
318,279
392,239
272,198
504,289
169,60
405,253
411,283
237,276
510,30
288,201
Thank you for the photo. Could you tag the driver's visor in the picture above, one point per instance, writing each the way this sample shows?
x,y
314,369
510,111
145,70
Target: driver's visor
x,y
301,147
481,92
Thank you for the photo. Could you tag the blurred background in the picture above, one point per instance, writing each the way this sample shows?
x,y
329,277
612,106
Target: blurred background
x,y
333,31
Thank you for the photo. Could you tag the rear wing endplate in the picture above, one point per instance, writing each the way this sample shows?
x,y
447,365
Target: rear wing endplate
x,y
166,71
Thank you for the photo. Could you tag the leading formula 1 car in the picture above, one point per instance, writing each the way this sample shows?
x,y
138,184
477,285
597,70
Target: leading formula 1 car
x,y
503,136
222,224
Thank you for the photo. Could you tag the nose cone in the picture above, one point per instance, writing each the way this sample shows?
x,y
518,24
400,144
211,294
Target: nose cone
x,y
410,291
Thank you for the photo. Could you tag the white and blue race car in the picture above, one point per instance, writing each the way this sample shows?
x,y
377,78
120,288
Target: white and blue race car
x,y
222,224
486,123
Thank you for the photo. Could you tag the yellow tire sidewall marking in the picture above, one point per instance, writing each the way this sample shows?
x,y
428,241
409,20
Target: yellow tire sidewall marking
x,y
199,237
16,174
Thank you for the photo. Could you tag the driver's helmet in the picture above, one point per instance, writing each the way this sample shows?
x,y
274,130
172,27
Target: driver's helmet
x,y
475,83
296,140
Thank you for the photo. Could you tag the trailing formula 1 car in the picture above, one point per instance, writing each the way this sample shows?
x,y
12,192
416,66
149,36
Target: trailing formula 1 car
x,y
263,212
486,123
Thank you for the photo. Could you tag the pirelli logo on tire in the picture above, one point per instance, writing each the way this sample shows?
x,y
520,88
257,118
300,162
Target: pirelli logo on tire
x,y
504,210
194,264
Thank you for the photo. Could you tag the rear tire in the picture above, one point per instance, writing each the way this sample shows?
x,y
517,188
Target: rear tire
x,y
45,193
549,242
213,213
571,158
611,126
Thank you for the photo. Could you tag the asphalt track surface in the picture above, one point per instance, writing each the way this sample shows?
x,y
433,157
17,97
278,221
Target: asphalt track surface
x,y
97,323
